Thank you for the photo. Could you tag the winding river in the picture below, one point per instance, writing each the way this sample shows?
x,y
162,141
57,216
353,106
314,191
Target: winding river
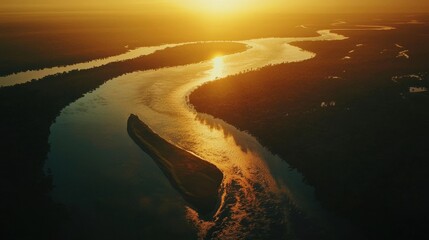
x,y
108,181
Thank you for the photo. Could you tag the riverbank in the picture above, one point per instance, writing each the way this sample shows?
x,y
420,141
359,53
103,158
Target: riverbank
x,y
357,136
29,110
39,40
198,181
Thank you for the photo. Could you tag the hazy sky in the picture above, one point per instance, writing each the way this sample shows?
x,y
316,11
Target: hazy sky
x,y
228,5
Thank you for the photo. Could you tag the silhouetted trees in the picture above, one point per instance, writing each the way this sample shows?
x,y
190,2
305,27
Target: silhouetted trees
x,y
367,155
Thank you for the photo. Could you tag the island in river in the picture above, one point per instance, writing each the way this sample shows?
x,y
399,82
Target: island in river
x,y
353,121
197,180
29,111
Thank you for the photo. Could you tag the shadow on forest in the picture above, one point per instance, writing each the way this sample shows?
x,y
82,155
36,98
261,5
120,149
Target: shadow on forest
x,y
357,136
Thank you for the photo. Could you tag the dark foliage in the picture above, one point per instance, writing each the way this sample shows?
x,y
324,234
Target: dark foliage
x,y
367,156
27,112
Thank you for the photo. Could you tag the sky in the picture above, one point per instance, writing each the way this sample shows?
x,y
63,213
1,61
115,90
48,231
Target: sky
x,y
225,6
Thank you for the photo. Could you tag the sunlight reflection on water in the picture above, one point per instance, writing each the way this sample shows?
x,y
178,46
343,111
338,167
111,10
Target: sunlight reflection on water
x,y
255,181
218,68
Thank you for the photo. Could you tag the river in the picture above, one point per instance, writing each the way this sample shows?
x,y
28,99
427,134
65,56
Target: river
x,y
114,189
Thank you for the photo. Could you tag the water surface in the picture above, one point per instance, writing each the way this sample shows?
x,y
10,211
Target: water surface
x,y
114,188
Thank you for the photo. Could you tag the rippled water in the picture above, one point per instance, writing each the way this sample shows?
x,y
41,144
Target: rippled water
x,y
106,179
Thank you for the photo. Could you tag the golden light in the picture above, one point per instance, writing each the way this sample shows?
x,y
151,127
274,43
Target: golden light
x,y
219,7
218,67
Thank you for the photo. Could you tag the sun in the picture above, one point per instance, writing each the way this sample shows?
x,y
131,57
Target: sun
x,y
219,6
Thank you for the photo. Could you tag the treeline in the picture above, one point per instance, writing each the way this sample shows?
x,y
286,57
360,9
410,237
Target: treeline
x,y
27,112
366,155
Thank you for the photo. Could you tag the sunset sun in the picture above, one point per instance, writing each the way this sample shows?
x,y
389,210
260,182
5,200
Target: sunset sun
x,y
214,119
219,6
